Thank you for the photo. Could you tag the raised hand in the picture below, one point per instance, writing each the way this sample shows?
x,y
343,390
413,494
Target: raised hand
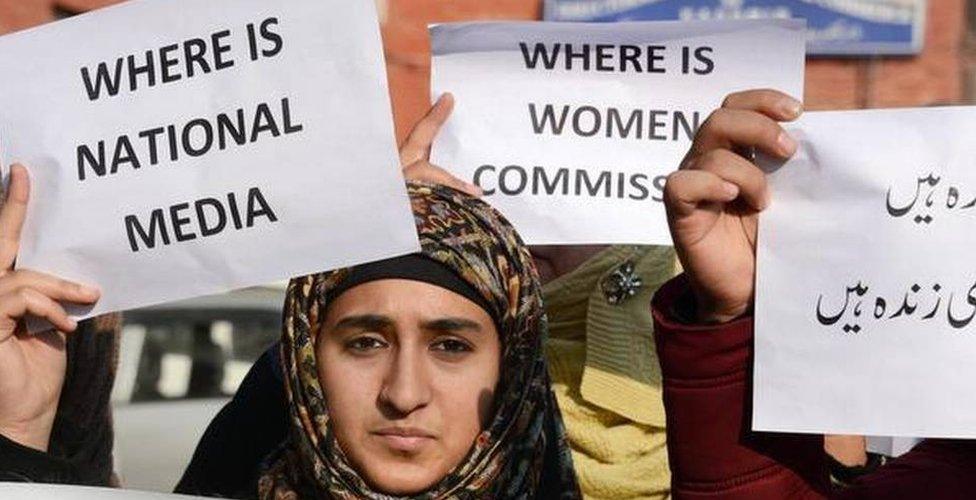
x,y
714,199
32,367
415,151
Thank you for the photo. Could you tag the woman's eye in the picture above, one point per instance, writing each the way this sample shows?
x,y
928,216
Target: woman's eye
x,y
451,346
363,344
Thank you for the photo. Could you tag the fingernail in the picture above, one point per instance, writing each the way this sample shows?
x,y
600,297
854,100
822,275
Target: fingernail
x,y
475,190
766,200
72,324
88,290
731,190
792,108
786,144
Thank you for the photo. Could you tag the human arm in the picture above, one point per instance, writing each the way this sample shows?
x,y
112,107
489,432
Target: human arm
x,y
415,150
706,371
702,325
32,367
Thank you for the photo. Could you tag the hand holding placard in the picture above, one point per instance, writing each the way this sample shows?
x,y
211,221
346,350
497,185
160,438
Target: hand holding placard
x,y
714,200
415,151
32,367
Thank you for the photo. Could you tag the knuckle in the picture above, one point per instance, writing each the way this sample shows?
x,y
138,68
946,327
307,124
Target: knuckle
x,y
759,178
67,286
716,117
24,294
731,99
709,127
768,98
771,131
415,169
673,184
669,194
712,158
753,181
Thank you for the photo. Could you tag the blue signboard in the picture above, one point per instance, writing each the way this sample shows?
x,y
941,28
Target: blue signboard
x,y
836,27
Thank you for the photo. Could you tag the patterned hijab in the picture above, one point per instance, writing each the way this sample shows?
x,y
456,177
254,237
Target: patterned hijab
x,y
523,451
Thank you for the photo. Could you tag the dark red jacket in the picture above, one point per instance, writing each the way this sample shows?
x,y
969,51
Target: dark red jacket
x,y
714,454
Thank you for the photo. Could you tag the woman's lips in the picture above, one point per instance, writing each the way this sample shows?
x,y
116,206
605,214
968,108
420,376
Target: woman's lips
x,y
404,439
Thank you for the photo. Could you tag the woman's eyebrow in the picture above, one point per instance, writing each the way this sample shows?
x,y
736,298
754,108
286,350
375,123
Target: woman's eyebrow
x,y
365,322
452,325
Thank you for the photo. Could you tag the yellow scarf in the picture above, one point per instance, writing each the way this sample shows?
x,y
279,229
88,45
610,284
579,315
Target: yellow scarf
x,y
606,375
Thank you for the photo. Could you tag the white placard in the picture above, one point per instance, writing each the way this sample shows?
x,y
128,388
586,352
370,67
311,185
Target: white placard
x,y
34,491
258,146
571,128
866,287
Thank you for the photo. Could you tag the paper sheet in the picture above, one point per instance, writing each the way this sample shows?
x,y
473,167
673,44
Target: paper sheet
x,y
187,148
571,128
866,288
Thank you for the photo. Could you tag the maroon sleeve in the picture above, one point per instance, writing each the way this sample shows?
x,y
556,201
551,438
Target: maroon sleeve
x,y
936,469
707,396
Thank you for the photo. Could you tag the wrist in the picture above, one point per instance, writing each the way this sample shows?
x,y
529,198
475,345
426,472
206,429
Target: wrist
x,y
849,451
35,434
712,312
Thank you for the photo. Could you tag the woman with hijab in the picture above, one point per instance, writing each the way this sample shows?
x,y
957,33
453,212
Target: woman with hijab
x,y
602,363
358,436
421,376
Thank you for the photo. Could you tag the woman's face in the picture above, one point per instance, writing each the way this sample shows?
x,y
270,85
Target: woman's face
x,y
409,371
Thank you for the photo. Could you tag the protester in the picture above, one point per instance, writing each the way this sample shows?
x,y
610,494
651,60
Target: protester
x,y
80,447
416,375
604,369
398,412
422,350
703,325
42,440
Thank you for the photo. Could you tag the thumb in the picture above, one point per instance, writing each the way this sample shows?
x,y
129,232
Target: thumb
x,y
425,171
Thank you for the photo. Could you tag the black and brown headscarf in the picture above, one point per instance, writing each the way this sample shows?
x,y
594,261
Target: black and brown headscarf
x,y
523,452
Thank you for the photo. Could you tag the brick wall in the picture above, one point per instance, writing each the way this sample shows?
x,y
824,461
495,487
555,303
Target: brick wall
x,y
937,75
934,76
408,48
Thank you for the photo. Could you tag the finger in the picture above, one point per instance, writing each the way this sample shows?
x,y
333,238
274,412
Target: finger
x,y
424,171
417,145
735,169
736,128
686,189
12,216
56,288
772,103
15,306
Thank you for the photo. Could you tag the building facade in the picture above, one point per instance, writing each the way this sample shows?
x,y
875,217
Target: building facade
x,y
943,73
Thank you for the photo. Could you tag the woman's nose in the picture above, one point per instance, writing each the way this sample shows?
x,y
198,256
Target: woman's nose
x,y
406,387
